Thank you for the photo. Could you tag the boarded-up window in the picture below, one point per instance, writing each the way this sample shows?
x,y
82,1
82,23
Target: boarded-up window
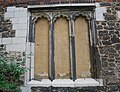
x,y
82,48
62,54
41,48
61,49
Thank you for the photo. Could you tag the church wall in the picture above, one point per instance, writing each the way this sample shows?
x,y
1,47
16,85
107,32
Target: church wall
x,y
108,44
14,44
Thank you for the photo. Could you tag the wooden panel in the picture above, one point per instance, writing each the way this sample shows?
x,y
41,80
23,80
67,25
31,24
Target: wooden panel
x,y
82,48
62,61
42,48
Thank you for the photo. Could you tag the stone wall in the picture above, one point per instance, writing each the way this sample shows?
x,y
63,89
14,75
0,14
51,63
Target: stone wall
x,y
108,44
13,34
14,44
107,49
13,28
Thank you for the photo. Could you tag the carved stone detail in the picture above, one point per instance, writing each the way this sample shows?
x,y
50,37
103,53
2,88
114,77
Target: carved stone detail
x,y
86,14
58,14
36,16
68,14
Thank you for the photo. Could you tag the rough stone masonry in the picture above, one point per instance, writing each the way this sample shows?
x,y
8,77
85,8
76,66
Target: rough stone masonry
x,y
14,40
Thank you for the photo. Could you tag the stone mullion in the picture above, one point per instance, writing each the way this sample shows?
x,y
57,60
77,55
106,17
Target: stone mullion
x,y
31,30
91,46
97,63
51,65
31,39
72,51
71,66
93,28
93,49
90,32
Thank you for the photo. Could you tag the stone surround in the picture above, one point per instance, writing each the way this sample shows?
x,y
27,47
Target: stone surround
x,y
14,43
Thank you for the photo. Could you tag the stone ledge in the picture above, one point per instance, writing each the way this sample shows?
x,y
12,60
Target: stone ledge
x,y
83,82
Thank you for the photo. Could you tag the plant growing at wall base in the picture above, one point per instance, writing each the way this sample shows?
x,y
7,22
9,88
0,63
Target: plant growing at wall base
x,y
10,75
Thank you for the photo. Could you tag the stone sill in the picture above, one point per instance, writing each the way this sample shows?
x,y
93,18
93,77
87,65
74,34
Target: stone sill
x,y
83,82
62,5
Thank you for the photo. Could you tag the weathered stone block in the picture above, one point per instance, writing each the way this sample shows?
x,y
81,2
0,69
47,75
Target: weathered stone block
x,y
1,9
117,8
103,33
113,88
99,27
116,32
115,39
12,33
111,60
107,37
65,89
112,80
104,59
117,46
107,50
103,23
110,17
118,13
21,33
106,42
111,33
104,64
5,35
99,13
105,4
111,64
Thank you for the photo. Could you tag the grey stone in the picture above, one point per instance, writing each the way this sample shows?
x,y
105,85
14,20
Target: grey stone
x,y
113,88
107,50
105,4
104,64
117,8
1,9
103,33
111,60
110,17
111,64
117,46
106,42
115,39
111,56
106,37
99,27
64,89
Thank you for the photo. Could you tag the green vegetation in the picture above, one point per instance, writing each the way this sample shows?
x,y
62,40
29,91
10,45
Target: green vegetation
x,y
10,75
